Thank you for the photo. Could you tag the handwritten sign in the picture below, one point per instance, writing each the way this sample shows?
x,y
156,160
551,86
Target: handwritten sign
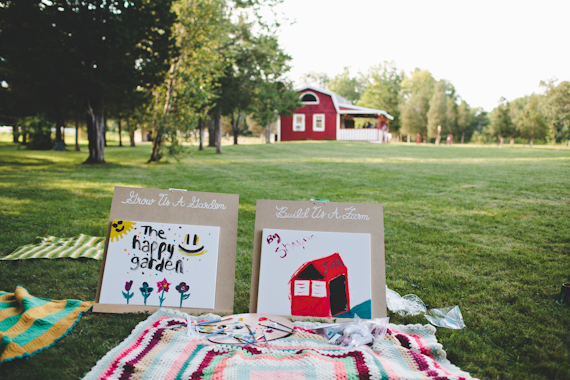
x,y
169,248
161,264
318,259
316,212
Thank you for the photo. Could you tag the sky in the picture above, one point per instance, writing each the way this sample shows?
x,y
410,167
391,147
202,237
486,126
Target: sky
x,y
486,49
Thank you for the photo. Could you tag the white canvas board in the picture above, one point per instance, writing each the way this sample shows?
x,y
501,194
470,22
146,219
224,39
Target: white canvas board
x,y
284,252
177,262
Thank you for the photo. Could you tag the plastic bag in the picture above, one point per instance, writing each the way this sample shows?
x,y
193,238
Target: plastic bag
x,y
409,304
449,317
355,333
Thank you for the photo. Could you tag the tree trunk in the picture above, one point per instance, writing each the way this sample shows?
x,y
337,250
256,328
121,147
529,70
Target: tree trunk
x,y
77,148
462,137
201,130
512,142
408,139
212,131
235,126
501,141
58,121
120,139
218,127
16,133
131,133
268,134
105,130
155,153
96,130
59,144
531,141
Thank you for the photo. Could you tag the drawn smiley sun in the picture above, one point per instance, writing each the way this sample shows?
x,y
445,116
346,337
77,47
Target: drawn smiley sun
x,y
119,229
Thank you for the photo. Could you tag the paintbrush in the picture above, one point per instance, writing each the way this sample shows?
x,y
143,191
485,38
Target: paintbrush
x,y
275,328
281,324
213,321
250,332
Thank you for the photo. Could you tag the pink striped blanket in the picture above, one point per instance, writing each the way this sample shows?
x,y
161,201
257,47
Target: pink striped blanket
x,y
159,349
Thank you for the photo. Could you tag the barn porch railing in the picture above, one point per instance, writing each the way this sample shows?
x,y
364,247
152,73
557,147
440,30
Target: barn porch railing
x,y
358,134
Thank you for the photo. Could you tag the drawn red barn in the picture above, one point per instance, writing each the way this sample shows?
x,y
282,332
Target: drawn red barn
x,y
319,288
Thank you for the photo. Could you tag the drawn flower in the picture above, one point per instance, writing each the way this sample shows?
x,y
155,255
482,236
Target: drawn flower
x,y
146,290
128,295
183,288
162,285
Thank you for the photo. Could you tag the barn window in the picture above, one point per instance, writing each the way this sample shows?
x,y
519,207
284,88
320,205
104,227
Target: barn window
x,y
309,98
319,289
299,122
302,288
319,122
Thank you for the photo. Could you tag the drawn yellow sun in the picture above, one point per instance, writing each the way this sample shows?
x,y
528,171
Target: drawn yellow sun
x,y
119,229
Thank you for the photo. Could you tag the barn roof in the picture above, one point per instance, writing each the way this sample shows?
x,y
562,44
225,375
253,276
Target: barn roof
x,y
325,268
343,106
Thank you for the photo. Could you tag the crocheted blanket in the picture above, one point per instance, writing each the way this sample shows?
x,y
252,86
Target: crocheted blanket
x,y
51,247
159,348
29,324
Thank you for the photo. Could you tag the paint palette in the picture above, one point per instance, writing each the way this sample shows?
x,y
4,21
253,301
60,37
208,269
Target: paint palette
x,y
242,328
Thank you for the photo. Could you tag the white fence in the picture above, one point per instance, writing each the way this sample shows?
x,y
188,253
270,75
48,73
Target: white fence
x,y
360,134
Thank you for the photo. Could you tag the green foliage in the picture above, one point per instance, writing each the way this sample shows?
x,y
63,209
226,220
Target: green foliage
x,y
558,109
39,129
347,87
437,114
501,125
382,91
416,92
530,123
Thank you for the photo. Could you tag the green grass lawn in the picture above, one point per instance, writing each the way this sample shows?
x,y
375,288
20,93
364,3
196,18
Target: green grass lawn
x,y
484,228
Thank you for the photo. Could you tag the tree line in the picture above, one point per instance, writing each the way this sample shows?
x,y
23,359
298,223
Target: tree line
x,y
425,109
171,65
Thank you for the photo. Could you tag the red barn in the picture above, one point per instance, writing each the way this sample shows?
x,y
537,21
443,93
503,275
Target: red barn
x,y
319,288
328,116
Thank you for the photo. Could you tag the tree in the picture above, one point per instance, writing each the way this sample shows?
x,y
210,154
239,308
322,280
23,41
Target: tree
x,y
187,95
382,91
530,123
92,50
464,121
273,99
320,80
558,108
347,87
416,92
437,114
35,65
501,122
451,114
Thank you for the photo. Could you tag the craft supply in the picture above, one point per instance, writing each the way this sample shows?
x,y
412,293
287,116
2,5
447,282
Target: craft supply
x,y
236,328
213,321
280,324
250,332
275,328
220,331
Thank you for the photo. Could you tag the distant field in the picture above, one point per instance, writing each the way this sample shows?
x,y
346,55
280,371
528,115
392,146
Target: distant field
x,y
485,228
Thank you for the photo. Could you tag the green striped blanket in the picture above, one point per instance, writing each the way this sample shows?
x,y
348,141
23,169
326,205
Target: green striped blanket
x,y
51,247
29,324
